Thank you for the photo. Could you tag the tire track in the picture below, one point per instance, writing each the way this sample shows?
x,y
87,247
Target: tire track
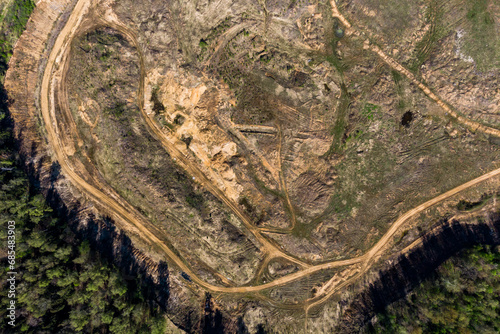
x,y
129,215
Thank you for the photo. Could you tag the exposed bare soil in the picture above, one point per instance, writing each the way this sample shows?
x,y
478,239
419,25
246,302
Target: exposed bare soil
x,y
272,153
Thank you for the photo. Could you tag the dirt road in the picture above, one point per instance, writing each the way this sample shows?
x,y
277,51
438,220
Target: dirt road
x,y
474,126
126,213
377,250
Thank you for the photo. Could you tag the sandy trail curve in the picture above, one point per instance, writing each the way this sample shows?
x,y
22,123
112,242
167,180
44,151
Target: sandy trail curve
x,y
130,216
474,126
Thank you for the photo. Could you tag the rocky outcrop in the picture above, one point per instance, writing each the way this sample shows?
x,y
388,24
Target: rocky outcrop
x,y
407,271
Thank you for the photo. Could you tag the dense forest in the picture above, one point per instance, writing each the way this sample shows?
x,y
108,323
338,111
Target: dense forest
x,y
13,18
61,285
463,296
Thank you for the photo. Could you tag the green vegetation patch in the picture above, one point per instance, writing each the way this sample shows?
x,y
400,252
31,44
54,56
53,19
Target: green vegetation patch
x,y
464,205
393,17
462,297
62,286
302,230
481,39
340,124
12,22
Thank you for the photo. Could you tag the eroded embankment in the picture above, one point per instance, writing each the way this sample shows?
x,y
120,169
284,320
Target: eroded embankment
x,y
21,84
407,271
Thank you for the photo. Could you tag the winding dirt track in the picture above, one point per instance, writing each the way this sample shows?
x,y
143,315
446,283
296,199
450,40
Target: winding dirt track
x,y
474,126
376,251
269,249
129,215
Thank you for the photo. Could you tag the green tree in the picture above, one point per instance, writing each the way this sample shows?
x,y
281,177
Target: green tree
x,y
464,297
